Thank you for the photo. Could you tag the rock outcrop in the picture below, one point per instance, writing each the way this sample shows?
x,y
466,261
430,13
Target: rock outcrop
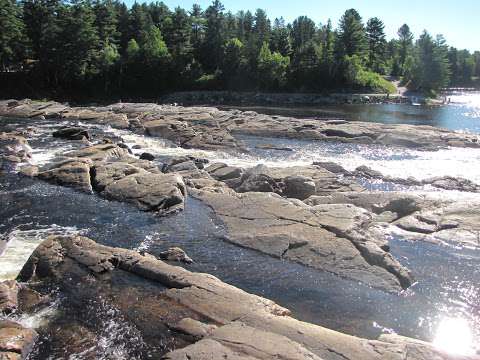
x,y
214,129
14,149
316,237
113,173
221,321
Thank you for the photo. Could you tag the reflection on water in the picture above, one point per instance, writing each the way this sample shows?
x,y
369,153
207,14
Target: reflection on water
x,y
463,112
454,336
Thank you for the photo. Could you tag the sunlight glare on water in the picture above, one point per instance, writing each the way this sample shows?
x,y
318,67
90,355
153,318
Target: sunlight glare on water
x,y
454,336
470,102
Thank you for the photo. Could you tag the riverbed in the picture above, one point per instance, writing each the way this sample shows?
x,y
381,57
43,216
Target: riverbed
x,y
447,276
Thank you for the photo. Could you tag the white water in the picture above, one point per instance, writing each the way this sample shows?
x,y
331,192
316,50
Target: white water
x,y
21,244
396,162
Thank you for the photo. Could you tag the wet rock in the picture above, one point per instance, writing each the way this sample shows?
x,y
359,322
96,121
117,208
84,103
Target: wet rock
x,y
72,172
452,183
332,167
161,193
225,321
258,183
125,146
14,148
16,341
171,163
175,254
8,296
325,181
72,133
367,172
194,328
294,231
273,147
222,173
147,156
299,187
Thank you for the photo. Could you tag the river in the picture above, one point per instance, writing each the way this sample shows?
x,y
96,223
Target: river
x,y
445,296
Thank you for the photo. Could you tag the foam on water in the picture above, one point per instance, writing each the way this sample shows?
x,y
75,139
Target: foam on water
x,y
21,243
396,162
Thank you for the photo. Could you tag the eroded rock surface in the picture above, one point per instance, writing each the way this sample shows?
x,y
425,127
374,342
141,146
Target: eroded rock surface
x,y
214,129
110,171
292,230
221,320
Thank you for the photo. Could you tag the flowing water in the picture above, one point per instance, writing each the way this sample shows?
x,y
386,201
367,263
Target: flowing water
x,y
445,297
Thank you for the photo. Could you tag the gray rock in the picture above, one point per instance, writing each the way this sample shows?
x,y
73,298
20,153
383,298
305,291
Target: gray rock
x,y
299,187
72,172
225,173
72,133
294,231
246,326
175,254
16,341
147,156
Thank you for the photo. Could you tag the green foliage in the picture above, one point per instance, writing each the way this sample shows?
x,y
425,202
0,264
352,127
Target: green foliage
x,y
430,69
133,50
351,36
92,46
153,47
272,69
11,33
376,45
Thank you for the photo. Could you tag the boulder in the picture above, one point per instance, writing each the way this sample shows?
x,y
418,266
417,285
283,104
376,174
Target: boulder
x,y
175,254
224,173
72,133
299,187
71,172
147,156
16,341
161,193
8,296
258,183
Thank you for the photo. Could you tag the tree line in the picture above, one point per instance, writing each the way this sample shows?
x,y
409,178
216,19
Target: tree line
x,y
103,47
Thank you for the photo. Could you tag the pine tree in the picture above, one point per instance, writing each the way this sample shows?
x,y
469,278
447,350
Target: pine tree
x,y
351,35
280,38
303,31
405,44
376,45
106,23
214,36
11,34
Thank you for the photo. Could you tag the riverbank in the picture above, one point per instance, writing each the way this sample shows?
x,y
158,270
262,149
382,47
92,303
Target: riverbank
x,y
316,218
282,99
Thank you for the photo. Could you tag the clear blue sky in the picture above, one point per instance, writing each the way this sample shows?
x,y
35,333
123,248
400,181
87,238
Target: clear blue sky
x,y
457,20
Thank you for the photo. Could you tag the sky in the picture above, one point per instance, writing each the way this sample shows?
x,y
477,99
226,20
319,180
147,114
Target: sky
x,y
457,20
